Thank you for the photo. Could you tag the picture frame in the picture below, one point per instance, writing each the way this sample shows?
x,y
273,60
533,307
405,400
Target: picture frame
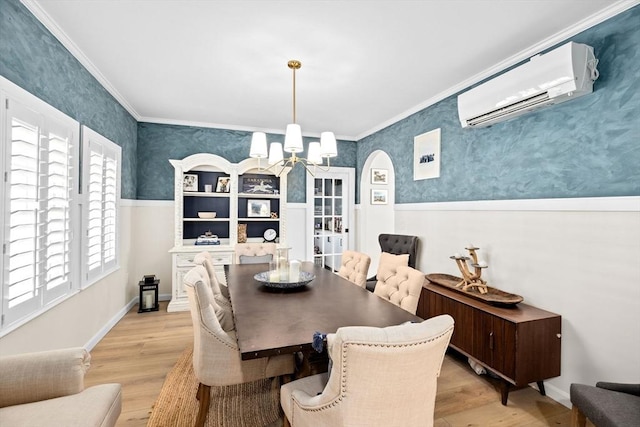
x,y
263,184
190,182
426,155
257,208
379,176
379,197
224,184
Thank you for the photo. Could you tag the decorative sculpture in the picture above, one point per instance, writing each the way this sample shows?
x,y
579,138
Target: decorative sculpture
x,y
471,280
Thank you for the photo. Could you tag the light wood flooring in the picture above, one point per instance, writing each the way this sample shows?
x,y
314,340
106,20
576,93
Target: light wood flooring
x,y
141,349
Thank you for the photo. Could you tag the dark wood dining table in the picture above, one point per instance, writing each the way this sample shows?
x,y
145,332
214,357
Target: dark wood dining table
x,y
271,321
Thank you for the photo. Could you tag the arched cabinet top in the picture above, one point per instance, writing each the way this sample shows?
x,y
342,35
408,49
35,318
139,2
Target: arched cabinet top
x,y
203,160
252,165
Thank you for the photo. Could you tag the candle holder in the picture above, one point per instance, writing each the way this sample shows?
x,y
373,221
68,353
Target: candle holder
x,y
471,279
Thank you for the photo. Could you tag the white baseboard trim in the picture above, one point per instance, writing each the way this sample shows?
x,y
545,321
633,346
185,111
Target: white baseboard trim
x,y
115,319
558,395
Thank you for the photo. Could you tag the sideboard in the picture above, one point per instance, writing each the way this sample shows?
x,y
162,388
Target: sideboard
x,y
520,344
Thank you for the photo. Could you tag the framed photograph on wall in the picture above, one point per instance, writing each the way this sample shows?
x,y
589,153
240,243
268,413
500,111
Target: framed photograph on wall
x,y
190,182
379,176
379,197
258,208
224,184
426,155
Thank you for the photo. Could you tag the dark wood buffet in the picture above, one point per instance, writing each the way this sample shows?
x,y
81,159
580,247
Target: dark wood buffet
x,y
521,344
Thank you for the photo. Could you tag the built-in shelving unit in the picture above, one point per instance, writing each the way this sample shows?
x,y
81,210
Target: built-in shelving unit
x,y
239,193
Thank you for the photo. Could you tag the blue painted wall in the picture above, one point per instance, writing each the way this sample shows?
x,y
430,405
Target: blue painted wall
x,y
157,143
588,147
32,58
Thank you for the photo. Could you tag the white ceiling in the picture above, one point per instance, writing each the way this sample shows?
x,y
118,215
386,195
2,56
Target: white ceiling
x,y
365,64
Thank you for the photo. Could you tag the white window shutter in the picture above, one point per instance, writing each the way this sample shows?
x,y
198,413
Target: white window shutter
x,y
39,202
100,208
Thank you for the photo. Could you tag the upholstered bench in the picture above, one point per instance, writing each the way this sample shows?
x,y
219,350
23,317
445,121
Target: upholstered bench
x,y
605,405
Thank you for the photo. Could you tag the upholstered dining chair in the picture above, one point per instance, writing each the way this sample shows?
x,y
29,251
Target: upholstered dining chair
x,y
354,267
216,357
397,244
398,283
605,405
401,358
220,291
254,253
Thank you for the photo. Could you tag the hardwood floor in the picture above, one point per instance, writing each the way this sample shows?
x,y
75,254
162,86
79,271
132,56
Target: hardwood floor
x,y
141,349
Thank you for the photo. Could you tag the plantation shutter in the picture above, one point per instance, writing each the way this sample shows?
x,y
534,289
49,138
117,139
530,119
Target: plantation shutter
x,y
102,194
38,195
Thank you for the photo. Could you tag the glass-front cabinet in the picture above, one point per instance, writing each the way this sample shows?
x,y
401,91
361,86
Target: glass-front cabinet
x,y
219,204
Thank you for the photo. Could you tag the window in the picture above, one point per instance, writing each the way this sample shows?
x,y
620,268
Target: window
x,y
101,198
40,155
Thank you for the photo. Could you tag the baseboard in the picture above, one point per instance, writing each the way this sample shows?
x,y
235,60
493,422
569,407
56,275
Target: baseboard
x,y
115,319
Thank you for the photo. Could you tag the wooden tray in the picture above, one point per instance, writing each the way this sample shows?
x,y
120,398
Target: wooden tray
x,y
493,296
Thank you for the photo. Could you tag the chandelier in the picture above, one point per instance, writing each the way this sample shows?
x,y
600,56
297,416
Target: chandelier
x,y
317,152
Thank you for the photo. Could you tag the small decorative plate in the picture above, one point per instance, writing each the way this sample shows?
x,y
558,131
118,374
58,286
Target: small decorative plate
x,y
305,278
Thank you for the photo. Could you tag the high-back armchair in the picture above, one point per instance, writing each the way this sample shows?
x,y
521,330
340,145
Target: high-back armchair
x,y
379,377
248,253
216,356
354,267
397,244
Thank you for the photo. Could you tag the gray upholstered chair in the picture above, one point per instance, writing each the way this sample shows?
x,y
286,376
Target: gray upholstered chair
x,y
379,377
398,283
47,389
605,405
354,267
254,253
220,291
216,357
397,244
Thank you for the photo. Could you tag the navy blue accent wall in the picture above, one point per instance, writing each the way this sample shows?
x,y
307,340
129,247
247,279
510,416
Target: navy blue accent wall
x,y
32,58
588,147
157,143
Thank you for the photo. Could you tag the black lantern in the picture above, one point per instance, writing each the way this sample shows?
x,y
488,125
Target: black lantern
x,y
148,294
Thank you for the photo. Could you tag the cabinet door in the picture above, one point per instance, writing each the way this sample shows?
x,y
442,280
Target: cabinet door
x,y
462,315
178,288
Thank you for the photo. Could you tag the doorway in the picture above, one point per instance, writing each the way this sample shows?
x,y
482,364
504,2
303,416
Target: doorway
x,y
330,198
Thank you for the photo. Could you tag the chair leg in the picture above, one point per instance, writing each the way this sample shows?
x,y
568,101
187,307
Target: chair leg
x,y
204,396
577,417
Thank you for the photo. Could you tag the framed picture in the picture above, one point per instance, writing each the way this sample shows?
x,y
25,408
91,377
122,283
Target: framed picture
x,y
379,176
426,155
379,197
260,185
258,208
224,184
190,182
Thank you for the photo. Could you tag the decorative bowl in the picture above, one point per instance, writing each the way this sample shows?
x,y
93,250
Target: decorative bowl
x,y
266,280
206,215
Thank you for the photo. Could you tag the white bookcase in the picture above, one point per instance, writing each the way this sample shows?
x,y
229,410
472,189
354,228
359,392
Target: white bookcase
x,y
249,189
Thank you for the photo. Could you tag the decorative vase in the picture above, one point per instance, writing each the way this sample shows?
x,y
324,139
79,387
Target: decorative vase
x,y
242,233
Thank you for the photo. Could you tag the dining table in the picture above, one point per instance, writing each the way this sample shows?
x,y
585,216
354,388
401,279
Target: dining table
x,y
271,321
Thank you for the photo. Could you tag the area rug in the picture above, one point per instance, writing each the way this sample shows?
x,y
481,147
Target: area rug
x,y
255,404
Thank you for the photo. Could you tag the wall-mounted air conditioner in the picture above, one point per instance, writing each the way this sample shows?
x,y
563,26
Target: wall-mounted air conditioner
x,y
557,76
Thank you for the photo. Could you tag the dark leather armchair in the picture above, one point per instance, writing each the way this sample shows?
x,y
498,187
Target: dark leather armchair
x,y
396,244
605,405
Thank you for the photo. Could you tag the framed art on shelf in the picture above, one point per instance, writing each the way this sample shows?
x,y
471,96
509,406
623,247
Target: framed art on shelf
x,y
258,208
379,197
224,184
190,182
260,185
379,176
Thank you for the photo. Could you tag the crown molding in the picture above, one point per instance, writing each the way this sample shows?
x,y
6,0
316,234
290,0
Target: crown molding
x,y
591,21
34,7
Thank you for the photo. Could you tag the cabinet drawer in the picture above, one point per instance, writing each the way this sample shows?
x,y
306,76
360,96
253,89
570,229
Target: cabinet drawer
x,y
221,259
